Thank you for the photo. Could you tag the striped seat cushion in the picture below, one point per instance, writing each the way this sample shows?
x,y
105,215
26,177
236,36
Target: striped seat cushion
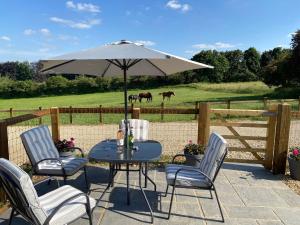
x,y
185,178
24,183
38,144
140,128
71,166
213,155
71,210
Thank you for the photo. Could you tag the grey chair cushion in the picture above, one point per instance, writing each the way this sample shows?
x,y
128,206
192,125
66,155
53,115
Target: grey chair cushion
x,y
24,183
71,210
185,178
140,128
214,152
71,166
38,144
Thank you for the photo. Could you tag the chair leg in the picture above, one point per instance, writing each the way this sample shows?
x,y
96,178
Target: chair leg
x,y
11,216
211,196
65,180
219,204
171,202
166,193
90,215
85,177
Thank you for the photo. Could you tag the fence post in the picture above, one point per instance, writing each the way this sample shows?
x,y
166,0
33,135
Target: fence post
x,y
71,115
228,106
265,100
100,113
299,103
40,119
196,109
135,113
54,111
271,131
162,111
4,151
11,112
281,138
203,123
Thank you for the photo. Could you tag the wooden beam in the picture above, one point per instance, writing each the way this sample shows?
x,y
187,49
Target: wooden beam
x,y
235,149
203,123
244,137
135,113
239,112
238,124
282,138
55,124
271,131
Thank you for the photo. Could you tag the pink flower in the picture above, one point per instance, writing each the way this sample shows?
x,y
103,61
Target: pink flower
x,y
190,142
295,152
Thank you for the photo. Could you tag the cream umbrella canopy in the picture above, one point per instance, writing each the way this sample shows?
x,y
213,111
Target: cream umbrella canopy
x,y
120,58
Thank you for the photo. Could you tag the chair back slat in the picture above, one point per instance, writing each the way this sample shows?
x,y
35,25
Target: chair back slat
x,y
38,144
140,128
214,155
21,192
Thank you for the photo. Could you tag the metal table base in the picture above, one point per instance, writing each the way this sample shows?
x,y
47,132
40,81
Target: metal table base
x,y
113,170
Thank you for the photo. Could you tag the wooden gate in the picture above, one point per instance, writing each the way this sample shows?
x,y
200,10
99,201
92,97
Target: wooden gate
x,y
273,154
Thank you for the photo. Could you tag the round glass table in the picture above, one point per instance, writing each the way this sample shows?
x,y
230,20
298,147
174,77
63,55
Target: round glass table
x,y
142,153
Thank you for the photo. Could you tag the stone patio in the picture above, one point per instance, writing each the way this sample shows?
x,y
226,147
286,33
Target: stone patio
x,y
249,194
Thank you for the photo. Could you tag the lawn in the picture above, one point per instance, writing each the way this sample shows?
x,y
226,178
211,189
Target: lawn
x,y
185,96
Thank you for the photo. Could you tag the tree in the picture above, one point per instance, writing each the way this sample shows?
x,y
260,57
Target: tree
x,y
24,71
295,61
252,60
213,58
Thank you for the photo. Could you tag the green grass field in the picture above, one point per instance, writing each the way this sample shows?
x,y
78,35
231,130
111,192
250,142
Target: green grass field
x,y
186,96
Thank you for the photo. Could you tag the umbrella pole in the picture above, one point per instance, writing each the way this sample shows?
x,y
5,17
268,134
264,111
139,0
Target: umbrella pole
x,y
125,107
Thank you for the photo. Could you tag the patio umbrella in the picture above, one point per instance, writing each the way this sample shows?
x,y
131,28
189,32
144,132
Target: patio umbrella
x,y
120,58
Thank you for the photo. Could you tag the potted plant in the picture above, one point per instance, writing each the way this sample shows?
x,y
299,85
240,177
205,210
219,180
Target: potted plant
x,y
64,147
294,162
193,153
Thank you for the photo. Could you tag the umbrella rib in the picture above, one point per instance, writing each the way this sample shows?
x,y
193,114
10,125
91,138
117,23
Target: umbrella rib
x,y
58,65
156,67
112,61
134,62
119,63
104,72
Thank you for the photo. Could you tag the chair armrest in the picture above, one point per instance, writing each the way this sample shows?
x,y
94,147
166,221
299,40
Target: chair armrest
x,y
77,148
193,170
88,205
52,159
186,156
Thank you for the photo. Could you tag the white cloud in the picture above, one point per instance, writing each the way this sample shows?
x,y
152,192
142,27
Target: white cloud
x,y
67,37
44,50
5,38
45,32
79,25
29,32
217,45
87,7
176,5
145,43
128,13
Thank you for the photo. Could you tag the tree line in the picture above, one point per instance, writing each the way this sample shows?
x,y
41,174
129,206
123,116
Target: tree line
x,y
276,67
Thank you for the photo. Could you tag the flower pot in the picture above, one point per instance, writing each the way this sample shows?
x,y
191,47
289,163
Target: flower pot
x,y
66,154
191,161
294,168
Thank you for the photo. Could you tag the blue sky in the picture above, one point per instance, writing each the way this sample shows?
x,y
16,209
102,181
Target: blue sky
x,y
32,30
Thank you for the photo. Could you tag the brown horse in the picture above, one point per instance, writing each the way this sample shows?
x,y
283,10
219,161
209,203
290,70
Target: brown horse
x,y
146,95
167,95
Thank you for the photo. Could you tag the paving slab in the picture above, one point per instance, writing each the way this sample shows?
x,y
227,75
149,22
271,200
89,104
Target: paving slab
x,y
249,195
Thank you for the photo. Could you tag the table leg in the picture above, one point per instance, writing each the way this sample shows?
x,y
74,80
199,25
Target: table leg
x,y
148,178
127,182
146,174
144,195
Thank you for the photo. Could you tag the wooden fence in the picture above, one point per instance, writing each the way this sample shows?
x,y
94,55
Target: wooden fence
x,y
272,156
